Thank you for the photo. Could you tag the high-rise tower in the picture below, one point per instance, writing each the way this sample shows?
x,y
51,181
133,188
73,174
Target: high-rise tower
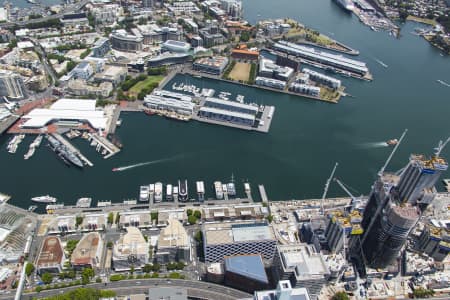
x,y
395,205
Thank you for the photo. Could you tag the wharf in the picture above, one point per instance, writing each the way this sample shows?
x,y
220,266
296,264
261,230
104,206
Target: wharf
x,y
107,145
73,149
167,79
6,124
262,192
124,206
284,91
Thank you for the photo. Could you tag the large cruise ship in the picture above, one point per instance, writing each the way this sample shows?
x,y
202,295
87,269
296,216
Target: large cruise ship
x,y
158,192
44,199
63,152
182,190
346,4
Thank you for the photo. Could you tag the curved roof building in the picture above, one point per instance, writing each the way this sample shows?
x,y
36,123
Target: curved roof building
x,y
176,46
88,252
130,249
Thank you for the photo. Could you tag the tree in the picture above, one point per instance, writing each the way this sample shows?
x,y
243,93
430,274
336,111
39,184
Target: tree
x,y
117,217
192,219
189,212
147,268
197,214
47,278
154,216
245,36
132,270
421,292
199,236
70,246
180,265
269,218
340,296
78,220
29,268
109,245
110,218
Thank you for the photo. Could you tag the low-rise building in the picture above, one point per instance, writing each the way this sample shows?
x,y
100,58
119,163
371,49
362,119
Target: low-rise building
x,y
435,239
173,243
176,46
101,47
88,252
140,219
226,239
152,33
268,68
237,212
167,59
284,291
169,104
182,8
51,256
80,87
212,65
270,82
122,41
131,249
211,36
107,13
93,222
306,89
245,272
323,79
83,70
11,85
113,74
244,53
303,266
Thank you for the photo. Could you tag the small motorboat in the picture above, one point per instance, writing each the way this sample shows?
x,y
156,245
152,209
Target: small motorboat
x,y
392,142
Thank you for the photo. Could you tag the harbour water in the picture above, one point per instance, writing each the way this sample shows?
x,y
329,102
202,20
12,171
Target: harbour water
x,y
306,137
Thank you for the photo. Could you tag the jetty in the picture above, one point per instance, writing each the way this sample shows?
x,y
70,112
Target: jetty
x,y
102,142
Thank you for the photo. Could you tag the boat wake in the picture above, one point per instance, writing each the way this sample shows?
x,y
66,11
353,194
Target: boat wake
x,y
443,83
373,145
152,162
381,63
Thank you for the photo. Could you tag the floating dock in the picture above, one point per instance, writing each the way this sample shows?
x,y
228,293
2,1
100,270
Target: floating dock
x,y
107,145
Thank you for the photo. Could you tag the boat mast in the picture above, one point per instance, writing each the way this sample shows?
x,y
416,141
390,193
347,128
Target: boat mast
x,y
327,185
380,173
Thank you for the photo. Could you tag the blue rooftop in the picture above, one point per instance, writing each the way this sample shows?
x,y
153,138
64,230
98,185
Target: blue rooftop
x,y
250,266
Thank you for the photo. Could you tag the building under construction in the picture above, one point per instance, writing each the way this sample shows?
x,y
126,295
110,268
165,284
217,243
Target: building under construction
x,y
395,205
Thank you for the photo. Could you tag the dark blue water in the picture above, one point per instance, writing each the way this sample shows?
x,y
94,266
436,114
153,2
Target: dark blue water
x,y
295,158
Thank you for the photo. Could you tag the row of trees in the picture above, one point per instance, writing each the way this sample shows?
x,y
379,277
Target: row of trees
x,y
84,293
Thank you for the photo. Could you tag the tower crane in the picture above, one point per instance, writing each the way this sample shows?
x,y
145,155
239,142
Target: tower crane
x,y
325,190
441,147
380,173
355,200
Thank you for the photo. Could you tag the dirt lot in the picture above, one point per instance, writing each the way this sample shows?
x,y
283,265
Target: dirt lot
x,y
240,71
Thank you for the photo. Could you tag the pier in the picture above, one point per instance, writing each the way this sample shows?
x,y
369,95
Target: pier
x,y
262,192
73,149
103,142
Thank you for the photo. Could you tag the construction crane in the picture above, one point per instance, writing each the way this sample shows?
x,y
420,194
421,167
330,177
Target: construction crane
x,y
325,190
441,147
355,200
380,173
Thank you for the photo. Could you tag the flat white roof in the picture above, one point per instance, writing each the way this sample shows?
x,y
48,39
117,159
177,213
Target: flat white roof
x,y
231,103
228,113
67,109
